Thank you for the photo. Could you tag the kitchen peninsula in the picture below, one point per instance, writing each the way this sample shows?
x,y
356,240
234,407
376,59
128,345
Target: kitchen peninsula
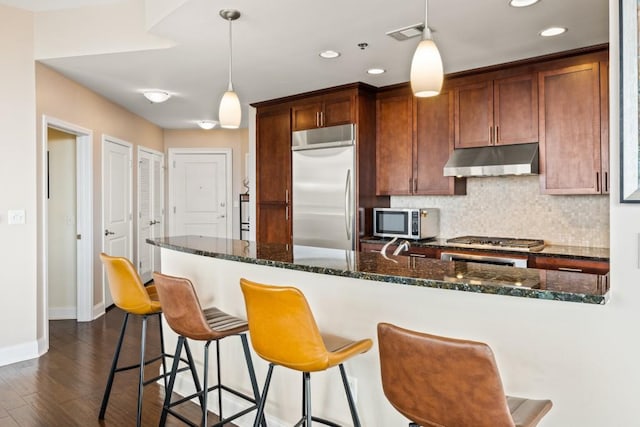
x,y
352,292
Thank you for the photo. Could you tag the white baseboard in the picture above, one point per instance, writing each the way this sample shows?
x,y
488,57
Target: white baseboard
x,y
18,353
230,404
62,313
43,346
98,310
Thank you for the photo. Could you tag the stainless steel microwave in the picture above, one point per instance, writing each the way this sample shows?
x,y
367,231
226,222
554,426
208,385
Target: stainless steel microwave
x,y
406,223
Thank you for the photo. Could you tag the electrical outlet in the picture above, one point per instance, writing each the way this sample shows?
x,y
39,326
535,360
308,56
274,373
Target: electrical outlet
x,y
353,386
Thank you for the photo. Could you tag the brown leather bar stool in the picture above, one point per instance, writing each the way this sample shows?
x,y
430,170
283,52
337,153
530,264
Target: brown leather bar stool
x,y
439,381
186,318
284,332
131,296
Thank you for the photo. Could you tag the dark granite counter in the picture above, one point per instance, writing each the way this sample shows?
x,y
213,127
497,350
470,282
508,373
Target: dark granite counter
x,y
402,270
555,251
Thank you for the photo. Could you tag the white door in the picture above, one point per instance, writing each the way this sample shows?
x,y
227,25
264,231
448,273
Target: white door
x,y
150,210
116,202
201,193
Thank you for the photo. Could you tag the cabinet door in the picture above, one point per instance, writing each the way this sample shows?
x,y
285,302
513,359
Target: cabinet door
x,y
434,144
474,115
274,223
306,116
515,112
337,111
570,130
273,156
394,145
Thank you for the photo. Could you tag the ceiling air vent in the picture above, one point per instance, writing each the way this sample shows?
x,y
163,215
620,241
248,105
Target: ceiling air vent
x,y
406,33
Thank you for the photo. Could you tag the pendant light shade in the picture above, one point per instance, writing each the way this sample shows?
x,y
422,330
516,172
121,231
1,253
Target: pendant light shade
x,y
230,113
427,73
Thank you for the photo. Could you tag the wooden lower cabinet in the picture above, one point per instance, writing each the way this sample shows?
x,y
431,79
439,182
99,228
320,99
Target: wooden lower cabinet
x,y
568,264
274,223
414,251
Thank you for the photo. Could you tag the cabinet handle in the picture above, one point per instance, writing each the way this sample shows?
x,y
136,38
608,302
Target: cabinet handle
x,y
573,270
417,255
286,195
321,118
410,185
497,134
490,134
286,213
606,182
598,182
415,185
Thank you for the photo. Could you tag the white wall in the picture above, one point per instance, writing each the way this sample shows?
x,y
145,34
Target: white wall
x,y
18,248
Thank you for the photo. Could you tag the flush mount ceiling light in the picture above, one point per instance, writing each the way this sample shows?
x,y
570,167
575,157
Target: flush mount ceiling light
x,y
522,3
376,71
207,124
329,54
553,31
427,72
230,113
156,96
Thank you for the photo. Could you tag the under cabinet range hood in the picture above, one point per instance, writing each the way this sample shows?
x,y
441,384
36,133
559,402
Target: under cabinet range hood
x,y
498,160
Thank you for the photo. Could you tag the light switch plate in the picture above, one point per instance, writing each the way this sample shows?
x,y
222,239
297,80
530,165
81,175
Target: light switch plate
x,y
16,216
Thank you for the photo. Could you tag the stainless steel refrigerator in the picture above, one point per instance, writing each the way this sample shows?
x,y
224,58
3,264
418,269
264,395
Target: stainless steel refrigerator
x,y
323,195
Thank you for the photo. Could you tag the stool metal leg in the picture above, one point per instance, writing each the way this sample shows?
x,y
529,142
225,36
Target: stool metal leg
x,y
143,344
352,405
164,358
205,384
263,399
219,380
172,379
306,411
252,373
112,372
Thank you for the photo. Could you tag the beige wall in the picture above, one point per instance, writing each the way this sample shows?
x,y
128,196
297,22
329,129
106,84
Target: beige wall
x,y
237,140
18,247
60,98
61,226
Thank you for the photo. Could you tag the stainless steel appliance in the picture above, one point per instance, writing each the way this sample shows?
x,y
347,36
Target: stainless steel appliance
x,y
484,259
406,223
323,194
510,243
495,160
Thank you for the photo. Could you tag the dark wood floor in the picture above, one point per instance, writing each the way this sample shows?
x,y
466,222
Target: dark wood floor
x,y
65,386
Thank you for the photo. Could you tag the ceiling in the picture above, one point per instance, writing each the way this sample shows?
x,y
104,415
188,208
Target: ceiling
x,y
276,46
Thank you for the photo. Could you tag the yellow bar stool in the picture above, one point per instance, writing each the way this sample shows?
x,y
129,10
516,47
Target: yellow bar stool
x,y
186,318
440,381
284,332
130,295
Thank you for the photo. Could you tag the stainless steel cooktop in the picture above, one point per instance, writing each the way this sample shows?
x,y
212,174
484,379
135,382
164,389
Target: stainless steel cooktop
x,y
525,245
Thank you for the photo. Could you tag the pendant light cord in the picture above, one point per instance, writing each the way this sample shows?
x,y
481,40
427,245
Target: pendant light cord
x,y
230,57
426,33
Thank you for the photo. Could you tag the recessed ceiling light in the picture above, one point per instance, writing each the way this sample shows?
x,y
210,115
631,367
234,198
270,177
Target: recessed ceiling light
x,y
156,96
207,124
553,31
376,71
522,3
328,54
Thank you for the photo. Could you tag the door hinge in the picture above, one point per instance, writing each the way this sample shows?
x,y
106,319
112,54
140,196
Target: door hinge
x,y
174,209
140,263
78,236
174,164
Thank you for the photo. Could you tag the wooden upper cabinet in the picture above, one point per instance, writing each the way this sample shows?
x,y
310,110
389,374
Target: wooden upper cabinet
x,y
414,140
502,111
434,144
474,115
273,156
570,132
515,109
328,110
394,144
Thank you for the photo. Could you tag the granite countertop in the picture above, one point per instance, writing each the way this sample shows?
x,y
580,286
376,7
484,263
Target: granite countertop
x,y
402,270
555,251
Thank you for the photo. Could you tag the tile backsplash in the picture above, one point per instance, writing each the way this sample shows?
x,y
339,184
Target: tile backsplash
x,y
514,207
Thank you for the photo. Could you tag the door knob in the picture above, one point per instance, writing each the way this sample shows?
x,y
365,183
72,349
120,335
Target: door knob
x,y
107,232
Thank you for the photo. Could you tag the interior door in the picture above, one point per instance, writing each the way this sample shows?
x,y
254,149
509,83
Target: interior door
x,y
200,189
150,210
116,194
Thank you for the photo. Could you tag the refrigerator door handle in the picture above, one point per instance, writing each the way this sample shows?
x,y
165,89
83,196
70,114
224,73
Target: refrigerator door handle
x,y
347,204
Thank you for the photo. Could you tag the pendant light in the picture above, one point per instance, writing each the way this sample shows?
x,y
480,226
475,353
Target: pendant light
x,y
230,113
426,67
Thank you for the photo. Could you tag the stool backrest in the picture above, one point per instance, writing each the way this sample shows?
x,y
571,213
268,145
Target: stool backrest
x,y
127,289
438,381
282,327
181,307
